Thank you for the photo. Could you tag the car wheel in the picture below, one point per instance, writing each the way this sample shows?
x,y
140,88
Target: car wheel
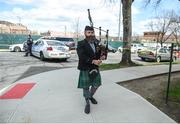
x,y
158,59
174,59
143,59
17,49
42,56
65,59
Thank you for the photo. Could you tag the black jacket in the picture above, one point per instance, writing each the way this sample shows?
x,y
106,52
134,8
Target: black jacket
x,y
29,41
86,55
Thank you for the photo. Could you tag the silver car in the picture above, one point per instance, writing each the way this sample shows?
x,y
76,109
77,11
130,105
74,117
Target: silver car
x,y
159,54
50,49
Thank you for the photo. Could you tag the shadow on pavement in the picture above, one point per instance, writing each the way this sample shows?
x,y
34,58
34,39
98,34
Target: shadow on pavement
x,y
36,70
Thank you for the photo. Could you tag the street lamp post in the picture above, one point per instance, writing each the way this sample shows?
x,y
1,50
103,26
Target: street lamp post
x,y
65,30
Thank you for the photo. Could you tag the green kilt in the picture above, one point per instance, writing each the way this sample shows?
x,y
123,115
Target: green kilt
x,y
85,81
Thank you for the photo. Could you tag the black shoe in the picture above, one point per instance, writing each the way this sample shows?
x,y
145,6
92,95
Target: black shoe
x,y
87,109
93,100
25,55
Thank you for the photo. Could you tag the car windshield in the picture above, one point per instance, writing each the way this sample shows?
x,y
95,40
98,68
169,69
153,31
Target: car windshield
x,y
152,48
55,43
65,39
136,45
139,45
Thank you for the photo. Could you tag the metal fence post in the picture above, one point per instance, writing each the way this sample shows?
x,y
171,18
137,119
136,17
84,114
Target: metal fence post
x,y
169,75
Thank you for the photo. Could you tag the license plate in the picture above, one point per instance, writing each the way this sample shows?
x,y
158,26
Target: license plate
x,y
61,53
62,49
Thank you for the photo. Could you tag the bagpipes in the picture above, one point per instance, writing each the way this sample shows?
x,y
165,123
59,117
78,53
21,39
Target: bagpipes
x,y
102,46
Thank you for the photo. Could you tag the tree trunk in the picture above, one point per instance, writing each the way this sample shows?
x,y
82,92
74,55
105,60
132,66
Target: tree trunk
x,y
127,33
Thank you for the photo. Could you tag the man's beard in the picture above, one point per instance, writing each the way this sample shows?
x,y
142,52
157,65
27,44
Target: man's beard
x,y
90,38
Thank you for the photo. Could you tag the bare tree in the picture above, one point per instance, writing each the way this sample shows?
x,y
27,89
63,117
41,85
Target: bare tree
x,y
127,32
155,2
127,29
155,34
163,26
175,28
75,26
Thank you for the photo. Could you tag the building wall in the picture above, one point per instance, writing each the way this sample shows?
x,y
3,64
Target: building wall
x,y
11,28
4,28
153,36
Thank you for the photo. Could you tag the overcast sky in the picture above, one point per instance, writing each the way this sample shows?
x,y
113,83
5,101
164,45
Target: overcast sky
x,y
55,15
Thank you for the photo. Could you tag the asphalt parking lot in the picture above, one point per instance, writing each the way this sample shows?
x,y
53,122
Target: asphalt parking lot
x,y
14,66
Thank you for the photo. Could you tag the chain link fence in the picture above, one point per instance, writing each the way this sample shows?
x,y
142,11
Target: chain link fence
x,y
8,39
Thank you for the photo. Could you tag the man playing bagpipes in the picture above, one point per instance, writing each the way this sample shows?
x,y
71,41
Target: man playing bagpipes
x,y
90,57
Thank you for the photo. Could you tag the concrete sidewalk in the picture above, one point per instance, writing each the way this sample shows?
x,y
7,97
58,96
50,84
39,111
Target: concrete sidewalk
x,y
55,98
4,50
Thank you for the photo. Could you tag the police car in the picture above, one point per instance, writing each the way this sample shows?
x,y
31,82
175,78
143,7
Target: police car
x,y
17,47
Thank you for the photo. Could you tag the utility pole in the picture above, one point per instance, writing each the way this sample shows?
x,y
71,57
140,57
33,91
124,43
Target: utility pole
x,y
65,30
77,29
119,20
19,19
77,32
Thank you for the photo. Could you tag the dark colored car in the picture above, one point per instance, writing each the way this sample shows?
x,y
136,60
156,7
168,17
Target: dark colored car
x,y
67,41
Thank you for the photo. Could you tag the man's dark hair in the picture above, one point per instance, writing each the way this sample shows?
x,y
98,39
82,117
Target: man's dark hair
x,y
89,28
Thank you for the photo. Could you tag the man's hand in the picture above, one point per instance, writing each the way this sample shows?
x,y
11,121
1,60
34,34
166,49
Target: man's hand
x,y
96,62
103,57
